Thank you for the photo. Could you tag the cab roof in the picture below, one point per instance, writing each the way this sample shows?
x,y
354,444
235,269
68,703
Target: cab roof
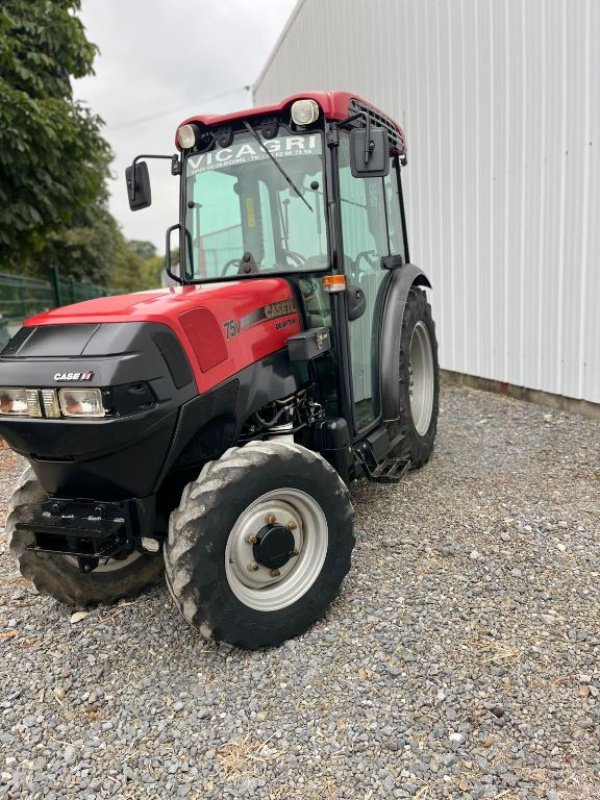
x,y
336,106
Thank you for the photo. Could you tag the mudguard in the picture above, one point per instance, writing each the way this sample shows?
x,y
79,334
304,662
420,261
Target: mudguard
x,y
400,281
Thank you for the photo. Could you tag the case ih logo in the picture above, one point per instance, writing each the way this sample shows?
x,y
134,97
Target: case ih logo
x,y
280,309
73,376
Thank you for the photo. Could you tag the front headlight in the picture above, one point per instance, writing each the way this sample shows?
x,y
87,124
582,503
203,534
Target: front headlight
x,y
113,402
81,402
20,402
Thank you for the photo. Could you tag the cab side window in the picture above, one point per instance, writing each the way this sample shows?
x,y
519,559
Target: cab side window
x,y
392,200
364,231
363,214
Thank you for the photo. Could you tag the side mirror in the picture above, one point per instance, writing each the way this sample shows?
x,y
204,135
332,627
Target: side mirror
x,y
369,152
138,186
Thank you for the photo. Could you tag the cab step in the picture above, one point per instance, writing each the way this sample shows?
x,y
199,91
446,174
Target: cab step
x,y
377,464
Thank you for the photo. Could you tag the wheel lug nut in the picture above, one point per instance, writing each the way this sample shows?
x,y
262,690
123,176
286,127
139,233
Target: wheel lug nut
x,y
292,525
274,573
251,539
252,566
270,519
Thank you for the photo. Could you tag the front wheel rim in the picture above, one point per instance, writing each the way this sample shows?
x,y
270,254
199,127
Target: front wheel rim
x,y
421,378
254,584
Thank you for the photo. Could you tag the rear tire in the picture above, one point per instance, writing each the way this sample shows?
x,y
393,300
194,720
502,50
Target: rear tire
x,y
212,565
59,576
419,383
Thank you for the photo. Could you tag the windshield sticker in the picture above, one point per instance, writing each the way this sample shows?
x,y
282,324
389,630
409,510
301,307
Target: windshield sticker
x,y
247,152
250,216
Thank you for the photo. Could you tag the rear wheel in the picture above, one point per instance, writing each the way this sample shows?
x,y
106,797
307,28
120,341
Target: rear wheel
x,y
59,576
260,544
419,382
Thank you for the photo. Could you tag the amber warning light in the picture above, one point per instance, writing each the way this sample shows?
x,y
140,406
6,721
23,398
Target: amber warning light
x,y
334,283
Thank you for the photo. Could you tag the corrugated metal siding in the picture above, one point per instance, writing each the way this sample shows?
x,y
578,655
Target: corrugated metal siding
x,y
501,105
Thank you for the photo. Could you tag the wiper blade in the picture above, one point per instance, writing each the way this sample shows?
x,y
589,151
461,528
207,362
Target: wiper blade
x,y
277,164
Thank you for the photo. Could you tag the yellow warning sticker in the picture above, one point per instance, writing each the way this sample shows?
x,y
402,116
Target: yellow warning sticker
x,y
250,215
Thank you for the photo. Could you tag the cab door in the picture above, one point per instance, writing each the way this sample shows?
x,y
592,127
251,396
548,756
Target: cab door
x,y
367,205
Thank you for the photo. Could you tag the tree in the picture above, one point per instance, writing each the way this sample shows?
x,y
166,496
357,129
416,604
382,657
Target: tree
x,y
86,250
153,263
128,269
152,273
145,250
53,160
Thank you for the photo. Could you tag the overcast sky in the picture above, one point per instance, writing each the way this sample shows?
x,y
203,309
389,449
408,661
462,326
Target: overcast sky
x,y
160,62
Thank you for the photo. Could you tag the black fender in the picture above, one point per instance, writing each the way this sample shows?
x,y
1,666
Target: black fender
x,y
399,284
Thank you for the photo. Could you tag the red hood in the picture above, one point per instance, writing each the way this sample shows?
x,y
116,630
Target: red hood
x,y
223,327
157,305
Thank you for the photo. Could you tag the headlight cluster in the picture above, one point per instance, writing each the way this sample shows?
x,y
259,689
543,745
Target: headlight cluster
x,y
51,403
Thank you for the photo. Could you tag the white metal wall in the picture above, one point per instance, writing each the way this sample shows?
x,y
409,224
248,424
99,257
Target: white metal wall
x,y
501,103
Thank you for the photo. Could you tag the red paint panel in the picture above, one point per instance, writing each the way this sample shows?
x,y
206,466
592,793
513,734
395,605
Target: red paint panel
x,y
225,302
205,336
334,106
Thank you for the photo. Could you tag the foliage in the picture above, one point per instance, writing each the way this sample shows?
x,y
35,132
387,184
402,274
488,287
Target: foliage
x,y
152,263
128,269
145,250
153,268
86,250
96,251
53,160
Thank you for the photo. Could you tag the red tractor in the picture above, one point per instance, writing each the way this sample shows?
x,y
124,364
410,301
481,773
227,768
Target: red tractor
x,y
212,428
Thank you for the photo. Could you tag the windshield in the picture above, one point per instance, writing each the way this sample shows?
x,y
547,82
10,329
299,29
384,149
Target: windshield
x,y
244,217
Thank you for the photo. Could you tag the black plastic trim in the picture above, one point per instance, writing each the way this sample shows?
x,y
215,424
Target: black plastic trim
x,y
402,212
111,457
174,357
56,341
211,423
400,282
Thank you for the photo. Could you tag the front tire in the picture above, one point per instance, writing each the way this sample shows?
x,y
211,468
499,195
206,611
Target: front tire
x,y
419,383
59,576
260,544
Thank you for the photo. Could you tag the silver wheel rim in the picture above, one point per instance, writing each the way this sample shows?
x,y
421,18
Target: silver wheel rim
x,y
421,378
112,564
255,585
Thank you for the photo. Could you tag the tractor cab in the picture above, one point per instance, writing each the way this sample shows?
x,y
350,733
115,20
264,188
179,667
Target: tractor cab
x,y
309,189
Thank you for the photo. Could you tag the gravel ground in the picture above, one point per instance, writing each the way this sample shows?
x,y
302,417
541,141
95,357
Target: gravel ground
x,y
460,661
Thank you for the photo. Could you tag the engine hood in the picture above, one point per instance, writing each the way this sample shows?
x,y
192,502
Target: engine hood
x,y
222,327
165,303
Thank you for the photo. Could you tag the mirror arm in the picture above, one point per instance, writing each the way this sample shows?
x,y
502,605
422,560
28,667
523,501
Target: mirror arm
x,y
369,146
350,119
175,170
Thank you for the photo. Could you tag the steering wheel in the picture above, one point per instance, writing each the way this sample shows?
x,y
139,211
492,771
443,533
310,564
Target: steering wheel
x,y
296,259
233,262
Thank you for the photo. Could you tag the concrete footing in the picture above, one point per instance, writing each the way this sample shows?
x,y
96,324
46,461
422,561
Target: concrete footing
x,y
568,404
